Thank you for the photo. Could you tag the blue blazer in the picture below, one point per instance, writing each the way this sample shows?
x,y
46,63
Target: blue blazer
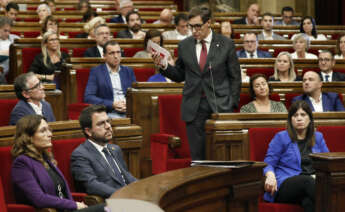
x,y
117,19
157,78
23,108
91,171
284,159
261,54
33,185
99,89
330,101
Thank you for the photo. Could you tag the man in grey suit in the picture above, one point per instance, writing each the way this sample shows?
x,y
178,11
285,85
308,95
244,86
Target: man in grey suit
x,y
250,47
98,167
208,64
267,25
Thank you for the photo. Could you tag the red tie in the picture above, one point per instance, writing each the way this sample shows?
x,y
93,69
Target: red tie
x,y
203,55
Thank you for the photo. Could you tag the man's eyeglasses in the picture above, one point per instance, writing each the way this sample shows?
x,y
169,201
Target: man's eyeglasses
x,y
249,41
325,59
38,85
195,26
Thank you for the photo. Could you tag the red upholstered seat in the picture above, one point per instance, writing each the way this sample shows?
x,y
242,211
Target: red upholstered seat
x,y
266,71
245,99
281,49
33,34
6,107
130,52
259,139
73,20
165,158
73,34
79,52
82,76
288,99
333,136
28,57
143,74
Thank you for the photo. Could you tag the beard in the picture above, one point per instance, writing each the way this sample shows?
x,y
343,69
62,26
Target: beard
x,y
135,28
99,138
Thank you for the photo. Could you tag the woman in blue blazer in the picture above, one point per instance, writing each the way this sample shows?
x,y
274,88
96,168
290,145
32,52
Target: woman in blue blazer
x,y
290,176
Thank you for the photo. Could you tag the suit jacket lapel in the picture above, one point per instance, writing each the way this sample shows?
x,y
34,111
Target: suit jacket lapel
x,y
211,52
107,79
192,48
123,80
325,105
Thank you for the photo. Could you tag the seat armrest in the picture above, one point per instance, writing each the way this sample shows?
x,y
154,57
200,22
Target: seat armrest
x,y
171,140
79,197
20,208
93,200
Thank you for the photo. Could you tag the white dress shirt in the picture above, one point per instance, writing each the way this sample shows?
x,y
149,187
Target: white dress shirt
x,y
198,46
36,108
116,84
324,76
317,105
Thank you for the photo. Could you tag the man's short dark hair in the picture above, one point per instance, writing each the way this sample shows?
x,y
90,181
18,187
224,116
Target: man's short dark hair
x,y
318,73
5,21
109,43
179,17
267,14
287,9
327,51
85,118
131,13
99,26
20,84
203,12
12,5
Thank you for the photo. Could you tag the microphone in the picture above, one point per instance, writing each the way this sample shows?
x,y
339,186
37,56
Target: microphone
x,y
212,82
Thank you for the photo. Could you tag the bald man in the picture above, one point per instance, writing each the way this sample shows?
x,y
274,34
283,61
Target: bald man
x,y
166,17
252,17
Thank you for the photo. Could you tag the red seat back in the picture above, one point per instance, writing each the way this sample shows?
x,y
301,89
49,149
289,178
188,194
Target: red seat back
x,y
259,139
31,34
5,173
130,52
3,206
28,55
62,150
333,136
6,107
79,52
171,122
143,74
82,76
288,99
266,71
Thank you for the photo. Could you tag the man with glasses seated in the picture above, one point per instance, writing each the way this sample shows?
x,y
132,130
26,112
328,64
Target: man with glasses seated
x,y
30,92
102,33
287,17
250,47
326,64
108,83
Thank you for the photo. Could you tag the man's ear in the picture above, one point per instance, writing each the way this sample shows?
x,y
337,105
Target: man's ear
x,y
88,131
25,94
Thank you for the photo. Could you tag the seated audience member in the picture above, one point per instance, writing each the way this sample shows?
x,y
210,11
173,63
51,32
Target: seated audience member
x,y
30,92
287,17
51,24
12,10
340,48
301,45
166,17
43,11
259,90
317,100
90,26
108,83
83,6
89,15
250,48
326,65
267,32
36,178
6,39
308,26
290,176
97,166
125,7
252,17
226,29
50,60
3,4
134,27
181,31
284,69
102,33
51,4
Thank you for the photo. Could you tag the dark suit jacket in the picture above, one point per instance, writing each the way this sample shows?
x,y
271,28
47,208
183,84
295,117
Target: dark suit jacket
x,y
23,108
336,76
221,61
92,52
99,89
33,185
261,54
117,19
124,34
92,173
240,21
330,101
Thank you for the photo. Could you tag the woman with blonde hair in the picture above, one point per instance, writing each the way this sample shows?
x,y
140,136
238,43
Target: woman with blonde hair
x,y
284,69
301,43
90,26
50,59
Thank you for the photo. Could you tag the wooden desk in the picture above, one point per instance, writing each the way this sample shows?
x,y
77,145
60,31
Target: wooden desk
x,y
330,181
200,189
128,136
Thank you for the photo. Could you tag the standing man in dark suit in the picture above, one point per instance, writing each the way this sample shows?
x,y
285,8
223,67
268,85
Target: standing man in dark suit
x,y
250,47
252,18
102,33
30,92
326,64
134,27
208,64
98,168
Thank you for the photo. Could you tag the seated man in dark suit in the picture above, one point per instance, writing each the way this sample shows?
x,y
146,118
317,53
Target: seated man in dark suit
x,y
108,83
102,33
250,48
252,17
326,64
134,27
30,92
98,167
125,7
318,101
